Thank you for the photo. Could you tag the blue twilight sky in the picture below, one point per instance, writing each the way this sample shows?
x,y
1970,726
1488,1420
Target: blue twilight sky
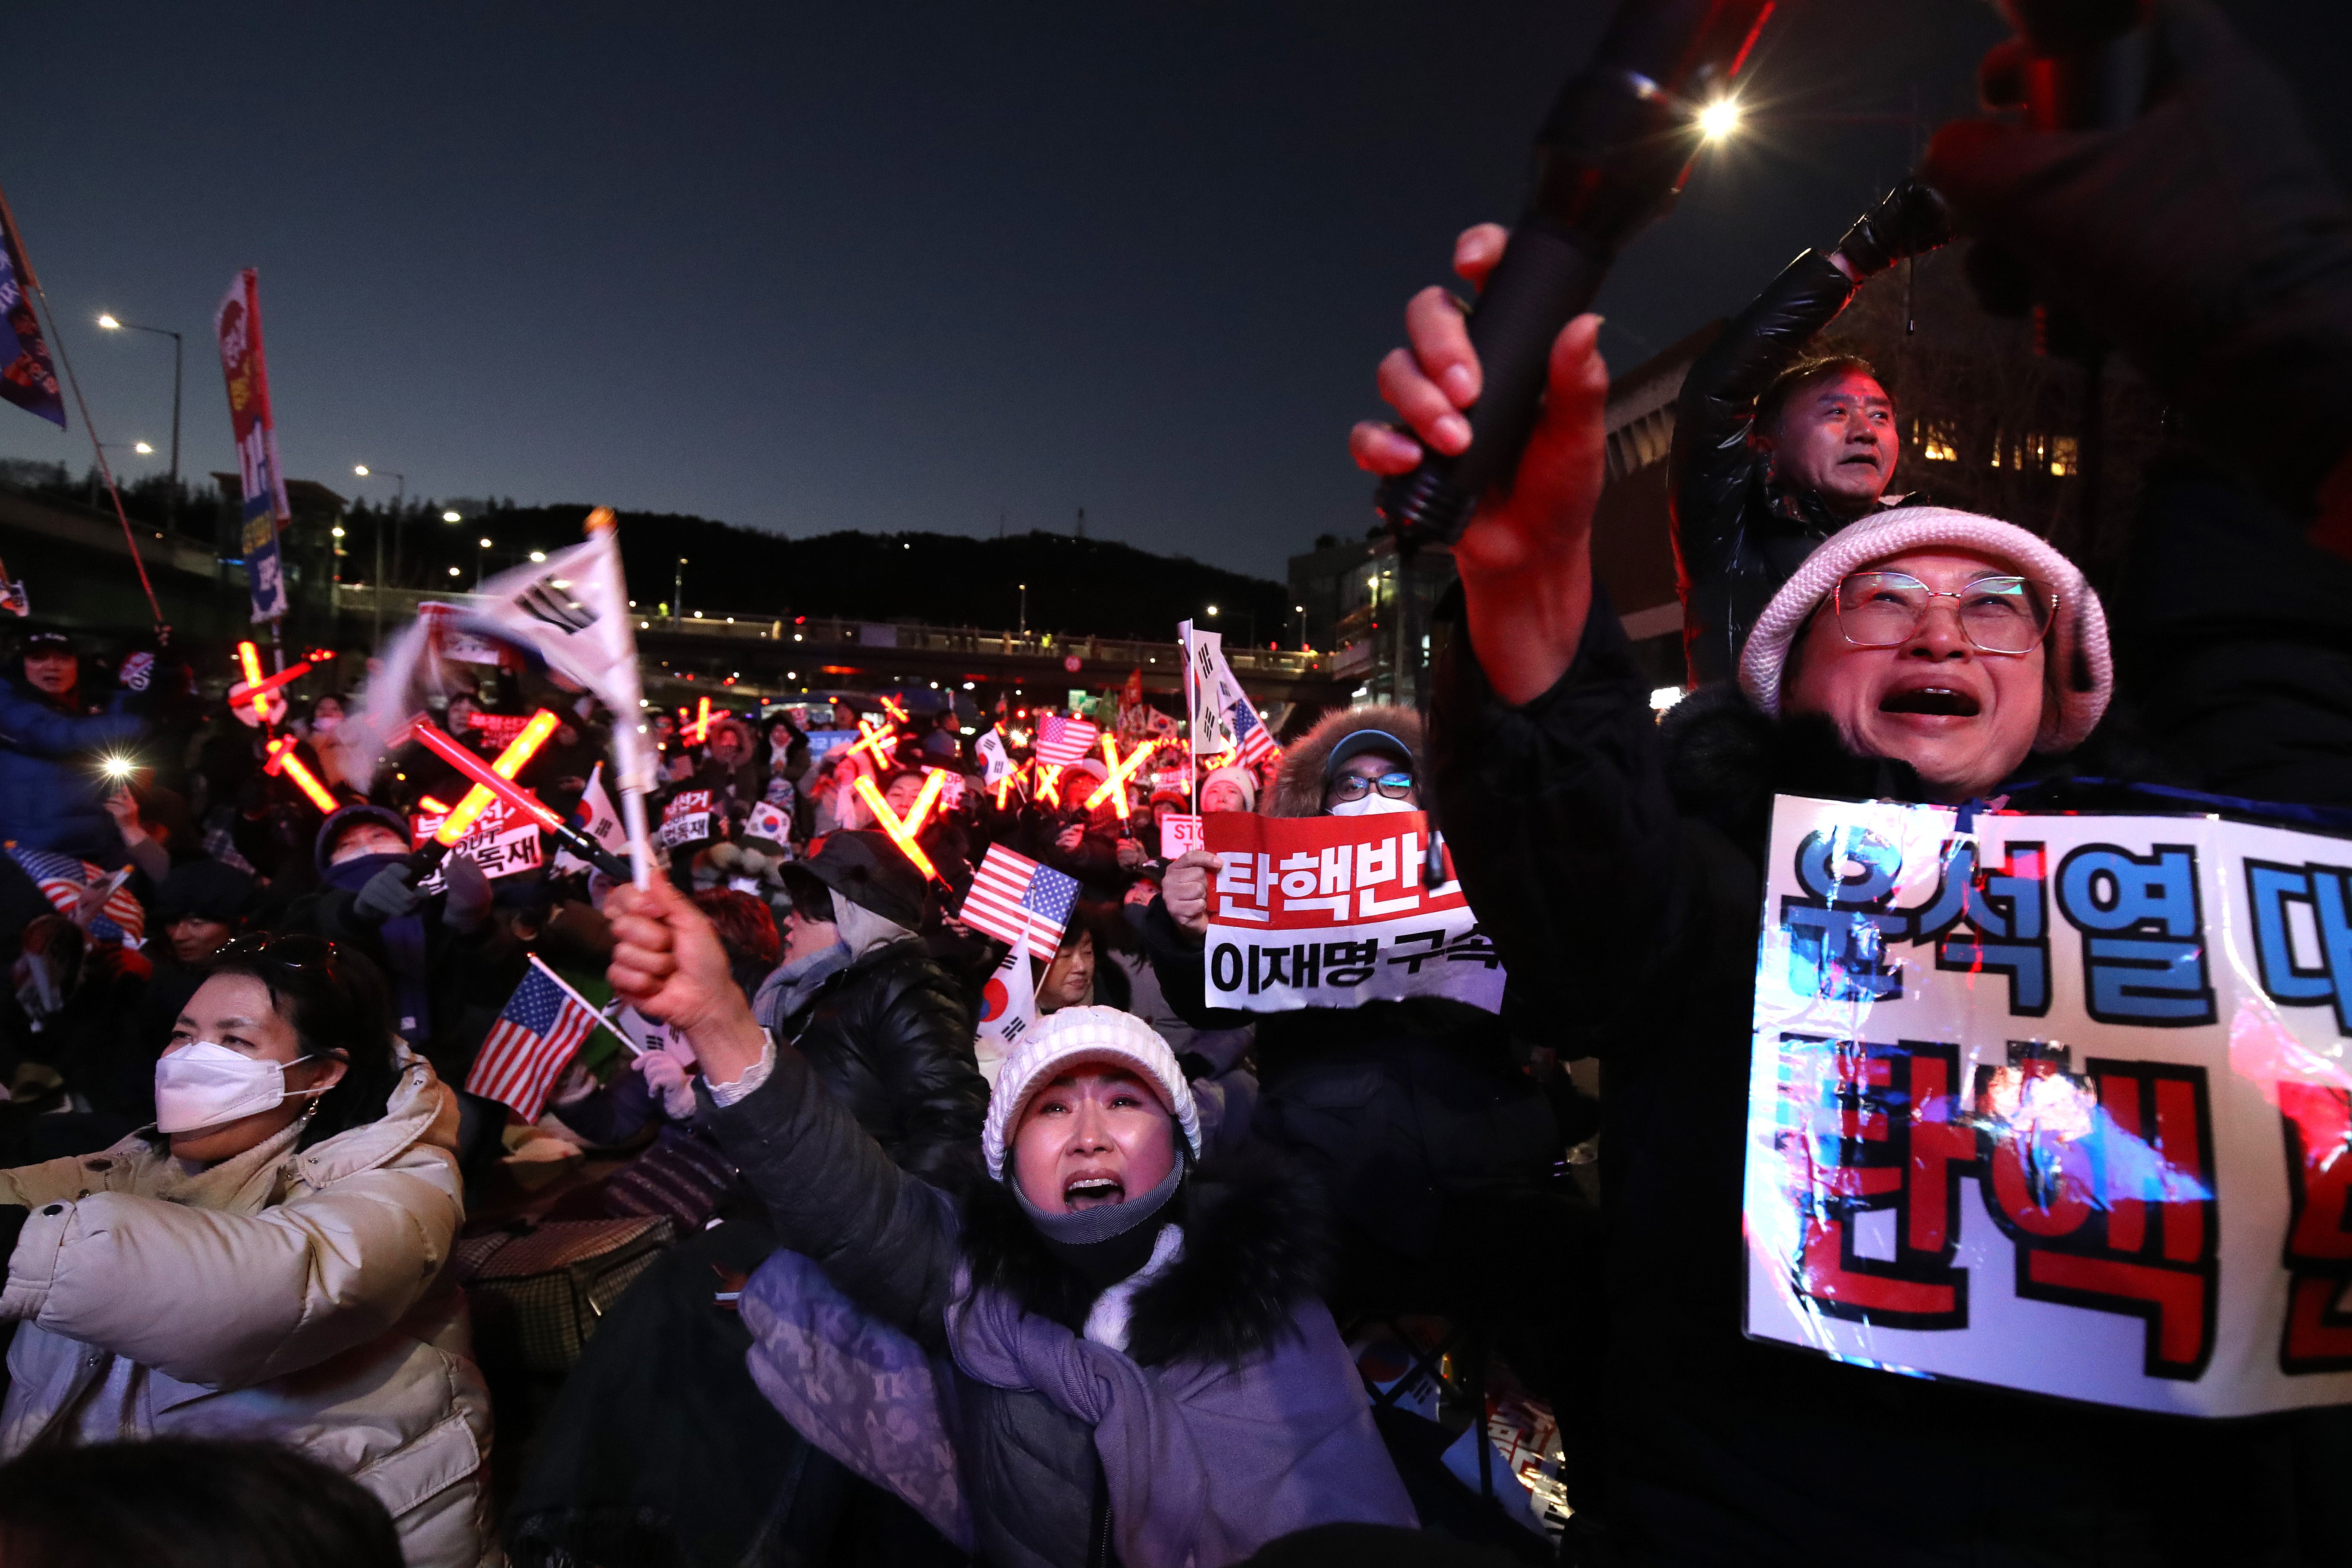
x,y
876,267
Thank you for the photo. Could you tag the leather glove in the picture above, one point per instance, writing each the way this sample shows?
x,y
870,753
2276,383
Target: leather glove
x,y
1911,219
467,904
386,896
2206,240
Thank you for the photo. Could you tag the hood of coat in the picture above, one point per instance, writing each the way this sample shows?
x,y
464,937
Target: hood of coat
x,y
421,1110
1298,788
1255,1243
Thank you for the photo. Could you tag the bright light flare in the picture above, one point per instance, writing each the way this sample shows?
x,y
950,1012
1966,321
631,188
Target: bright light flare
x,y
117,768
142,448
1720,119
1665,697
451,517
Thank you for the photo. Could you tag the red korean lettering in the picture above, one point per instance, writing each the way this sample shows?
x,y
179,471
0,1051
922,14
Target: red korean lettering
x,y
2318,1123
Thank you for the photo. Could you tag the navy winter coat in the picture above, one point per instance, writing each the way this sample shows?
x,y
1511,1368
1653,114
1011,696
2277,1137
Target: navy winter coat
x,y
51,797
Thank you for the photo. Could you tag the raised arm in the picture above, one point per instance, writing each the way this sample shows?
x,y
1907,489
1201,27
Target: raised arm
x,y
886,1238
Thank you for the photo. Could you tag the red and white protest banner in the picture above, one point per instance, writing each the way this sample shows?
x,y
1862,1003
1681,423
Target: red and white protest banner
x,y
1328,911
685,819
503,842
2061,1103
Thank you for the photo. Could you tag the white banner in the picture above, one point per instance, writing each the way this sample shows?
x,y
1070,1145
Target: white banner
x,y
685,819
1329,912
502,842
2061,1104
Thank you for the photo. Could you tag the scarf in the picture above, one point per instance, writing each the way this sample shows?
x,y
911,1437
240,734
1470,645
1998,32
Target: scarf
x,y
404,947
787,987
1107,1242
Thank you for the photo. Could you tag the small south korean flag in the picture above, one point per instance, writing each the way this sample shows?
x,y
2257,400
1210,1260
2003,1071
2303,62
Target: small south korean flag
x,y
1008,1010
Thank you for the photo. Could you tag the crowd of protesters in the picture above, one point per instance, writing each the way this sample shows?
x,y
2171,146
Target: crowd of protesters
x,y
1095,1293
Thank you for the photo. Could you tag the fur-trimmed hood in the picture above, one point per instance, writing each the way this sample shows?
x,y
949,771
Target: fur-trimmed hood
x,y
1298,788
1255,1243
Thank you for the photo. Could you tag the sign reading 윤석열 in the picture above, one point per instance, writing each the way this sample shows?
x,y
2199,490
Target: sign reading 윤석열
x,y
1328,911
2060,1104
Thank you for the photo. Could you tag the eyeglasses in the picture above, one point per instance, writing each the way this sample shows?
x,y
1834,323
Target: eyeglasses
x,y
1997,615
1356,786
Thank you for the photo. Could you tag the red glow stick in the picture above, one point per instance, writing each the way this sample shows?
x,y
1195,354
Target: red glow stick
x,y
509,762
430,736
283,760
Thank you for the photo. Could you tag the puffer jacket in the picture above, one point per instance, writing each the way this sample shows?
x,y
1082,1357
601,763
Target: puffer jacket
x,y
321,1319
50,799
1232,1318
890,1036
1737,535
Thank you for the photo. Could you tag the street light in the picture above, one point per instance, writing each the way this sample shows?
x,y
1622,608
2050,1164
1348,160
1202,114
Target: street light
x,y
481,554
452,517
678,590
111,324
142,448
399,501
1301,610
1024,609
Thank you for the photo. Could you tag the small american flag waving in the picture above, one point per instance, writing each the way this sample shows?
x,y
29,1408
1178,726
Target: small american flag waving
x,y
1063,740
537,1033
1257,744
94,899
1012,896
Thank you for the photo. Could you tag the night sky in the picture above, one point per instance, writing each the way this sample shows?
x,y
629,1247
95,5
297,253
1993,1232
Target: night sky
x,y
879,266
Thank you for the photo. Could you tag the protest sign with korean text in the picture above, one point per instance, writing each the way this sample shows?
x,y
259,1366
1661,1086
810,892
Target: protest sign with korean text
x,y
2061,1103
1329,912
1180,833
685,819
503,842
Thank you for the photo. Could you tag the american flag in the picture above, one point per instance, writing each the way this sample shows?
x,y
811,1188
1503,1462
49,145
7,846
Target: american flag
x,y
1255,743
1063,740
538,1030
68,883
1012,893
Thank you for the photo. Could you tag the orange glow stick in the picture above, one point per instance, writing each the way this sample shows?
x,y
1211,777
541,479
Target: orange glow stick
x,y
282,759
702,722
427,802
877,738
250,657
902,833
509,762
893,710
1049,783
1114,788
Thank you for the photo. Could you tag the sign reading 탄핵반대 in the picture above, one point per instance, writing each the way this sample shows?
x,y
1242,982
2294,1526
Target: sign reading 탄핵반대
x,y
2061,1104
1328,911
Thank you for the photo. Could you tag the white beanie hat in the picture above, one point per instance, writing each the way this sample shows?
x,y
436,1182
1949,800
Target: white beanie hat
x,y
1238,777
1070,1033
2082,673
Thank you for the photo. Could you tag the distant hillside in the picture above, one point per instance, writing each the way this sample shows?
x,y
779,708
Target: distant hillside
x,y
1075,586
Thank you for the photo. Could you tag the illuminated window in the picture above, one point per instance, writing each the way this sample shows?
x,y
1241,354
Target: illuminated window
x,y
1938,444
2066,457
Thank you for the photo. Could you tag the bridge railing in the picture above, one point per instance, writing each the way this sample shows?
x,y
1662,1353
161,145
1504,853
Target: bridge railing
x,y
818,632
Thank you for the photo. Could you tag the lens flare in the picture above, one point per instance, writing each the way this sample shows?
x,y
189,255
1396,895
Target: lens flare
x,y
1720,119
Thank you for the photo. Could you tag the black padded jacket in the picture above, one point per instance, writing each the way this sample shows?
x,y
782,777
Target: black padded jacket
x,y
890,1037
1737,535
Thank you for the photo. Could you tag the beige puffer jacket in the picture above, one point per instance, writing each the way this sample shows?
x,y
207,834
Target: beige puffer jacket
x,y
321,1320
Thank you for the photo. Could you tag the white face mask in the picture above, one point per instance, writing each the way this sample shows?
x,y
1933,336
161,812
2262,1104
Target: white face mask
x,y
206,1085
1373,804
323,723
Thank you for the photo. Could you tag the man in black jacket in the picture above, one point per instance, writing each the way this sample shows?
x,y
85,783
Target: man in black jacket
x,y
1774,452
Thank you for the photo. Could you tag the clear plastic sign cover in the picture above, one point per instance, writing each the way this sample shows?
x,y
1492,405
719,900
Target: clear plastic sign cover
x,y
2060,1104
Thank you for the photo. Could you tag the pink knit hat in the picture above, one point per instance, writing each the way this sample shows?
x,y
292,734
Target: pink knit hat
x,y
2082,673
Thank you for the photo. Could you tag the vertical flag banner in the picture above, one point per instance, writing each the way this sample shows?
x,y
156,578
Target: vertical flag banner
x,y
237,324
27,379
